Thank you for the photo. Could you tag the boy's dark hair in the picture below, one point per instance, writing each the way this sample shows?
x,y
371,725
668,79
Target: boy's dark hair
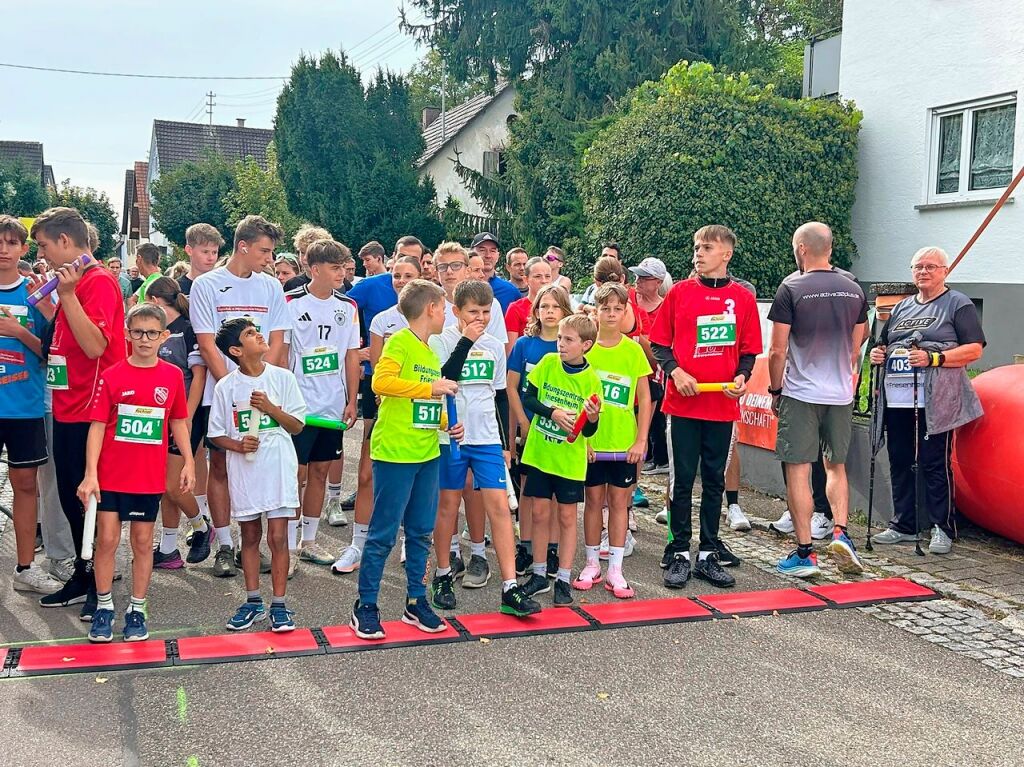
x,y
473,292
372,248
611,290
327,252
11,225
409,240
230,334
149,253
252,228
146,312
53,222
416,296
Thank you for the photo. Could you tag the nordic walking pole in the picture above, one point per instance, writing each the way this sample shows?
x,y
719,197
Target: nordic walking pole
x,y
873,404
917,475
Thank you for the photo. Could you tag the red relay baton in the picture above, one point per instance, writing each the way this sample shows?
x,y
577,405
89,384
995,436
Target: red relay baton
x,y
581,420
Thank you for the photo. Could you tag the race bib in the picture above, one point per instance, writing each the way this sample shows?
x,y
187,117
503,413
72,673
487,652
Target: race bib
x,y
716,330
323,360
478,368
897,366
549,428
140,425
426,414
20,313
243,414
57,372
615,388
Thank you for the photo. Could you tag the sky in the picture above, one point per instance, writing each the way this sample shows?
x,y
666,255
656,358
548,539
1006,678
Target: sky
x,y
94,128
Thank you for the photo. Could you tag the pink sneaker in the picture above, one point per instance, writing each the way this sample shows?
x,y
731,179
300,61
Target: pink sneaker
x,y
588,576
617,584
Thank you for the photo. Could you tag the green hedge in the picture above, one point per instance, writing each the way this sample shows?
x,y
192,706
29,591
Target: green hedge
x,y
700,147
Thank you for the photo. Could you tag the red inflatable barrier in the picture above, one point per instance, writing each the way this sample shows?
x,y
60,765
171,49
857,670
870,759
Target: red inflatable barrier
x,y
988,453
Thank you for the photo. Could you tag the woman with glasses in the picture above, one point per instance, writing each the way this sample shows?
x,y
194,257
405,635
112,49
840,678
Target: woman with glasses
x,y
556,257
926,345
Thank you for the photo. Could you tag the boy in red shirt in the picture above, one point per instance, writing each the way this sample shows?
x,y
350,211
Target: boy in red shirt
x,y
85,338
707,331
135,402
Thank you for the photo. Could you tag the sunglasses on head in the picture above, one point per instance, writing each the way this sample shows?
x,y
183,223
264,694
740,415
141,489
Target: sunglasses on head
x,y
552,258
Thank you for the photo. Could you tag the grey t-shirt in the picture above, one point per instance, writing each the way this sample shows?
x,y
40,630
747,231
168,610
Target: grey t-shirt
x,y
822,309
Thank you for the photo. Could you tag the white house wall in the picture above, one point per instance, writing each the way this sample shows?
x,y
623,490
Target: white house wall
x,y
486,132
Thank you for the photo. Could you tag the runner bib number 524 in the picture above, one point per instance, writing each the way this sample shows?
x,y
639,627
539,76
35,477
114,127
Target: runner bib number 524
x,y
323,360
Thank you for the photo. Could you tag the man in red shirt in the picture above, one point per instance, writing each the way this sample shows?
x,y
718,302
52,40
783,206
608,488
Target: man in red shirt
x,y
707,331
86,337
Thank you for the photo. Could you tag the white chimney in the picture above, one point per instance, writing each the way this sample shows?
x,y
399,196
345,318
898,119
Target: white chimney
x,y
240,121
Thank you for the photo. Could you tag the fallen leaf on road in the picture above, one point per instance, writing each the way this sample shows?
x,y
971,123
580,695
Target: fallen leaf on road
x,y
67,660
269,651
101,680
484,640
603,696
775,613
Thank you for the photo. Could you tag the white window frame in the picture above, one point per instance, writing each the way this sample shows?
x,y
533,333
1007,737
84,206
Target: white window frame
x,y
967,109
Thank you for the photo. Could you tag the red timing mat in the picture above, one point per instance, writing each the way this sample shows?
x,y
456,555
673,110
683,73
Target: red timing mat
x,y
342,638
645,612
262,644
873,592
762,602
552,619
55,659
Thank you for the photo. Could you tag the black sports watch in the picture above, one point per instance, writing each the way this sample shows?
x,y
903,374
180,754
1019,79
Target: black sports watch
x,y
775,392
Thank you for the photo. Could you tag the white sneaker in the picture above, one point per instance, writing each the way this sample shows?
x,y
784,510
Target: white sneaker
x,y
630,543
348,561
61,569
336,516
783,524
402,557
661,517
940,543
293,563
821,526
736,518
631,522
34,578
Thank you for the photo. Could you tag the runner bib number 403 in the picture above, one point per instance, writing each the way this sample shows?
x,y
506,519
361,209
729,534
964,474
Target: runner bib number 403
x,y
140,425
323,360
716,330
898,364
426,414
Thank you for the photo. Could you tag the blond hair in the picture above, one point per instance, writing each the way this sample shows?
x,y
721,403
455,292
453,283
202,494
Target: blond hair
x,y
533,325
451,247
307,235
416,296
716,233
203,234
584,326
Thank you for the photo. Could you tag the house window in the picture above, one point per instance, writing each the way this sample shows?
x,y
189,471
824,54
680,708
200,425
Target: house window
x,y
972,149
494,163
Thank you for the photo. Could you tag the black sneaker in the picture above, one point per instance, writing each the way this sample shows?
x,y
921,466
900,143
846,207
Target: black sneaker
x,y
563,593
199,546
709,569
348,504
725,556
224,563
74,592
516,602
89,606
537,584
442,592
524,560
458,566
678,572
666,558
552,561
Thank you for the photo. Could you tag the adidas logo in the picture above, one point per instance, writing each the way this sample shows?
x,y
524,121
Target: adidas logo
x,y
305,317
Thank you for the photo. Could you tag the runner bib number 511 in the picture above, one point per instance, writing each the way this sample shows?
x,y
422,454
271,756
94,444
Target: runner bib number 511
x,y
426,414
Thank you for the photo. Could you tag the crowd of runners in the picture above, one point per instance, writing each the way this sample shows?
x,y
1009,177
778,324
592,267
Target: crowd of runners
x,y
223,392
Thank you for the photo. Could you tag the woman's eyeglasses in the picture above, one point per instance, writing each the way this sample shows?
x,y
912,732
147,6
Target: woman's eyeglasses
x,y
149,335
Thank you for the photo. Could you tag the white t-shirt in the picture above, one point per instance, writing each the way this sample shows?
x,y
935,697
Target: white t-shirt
x,y
322,331
267,483
483,373
220,295
388,322
495,328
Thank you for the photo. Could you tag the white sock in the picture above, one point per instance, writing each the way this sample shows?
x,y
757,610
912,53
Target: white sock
x,y
105,601
169,540
199,523
478,549
224,537
204,506
593,554
293,534
333,491
440,572
454,548
615,554
702,555
506,585
563,574
540,569
359,533
309,528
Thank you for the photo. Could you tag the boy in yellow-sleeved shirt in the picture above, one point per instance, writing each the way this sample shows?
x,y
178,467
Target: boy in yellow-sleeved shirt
x,y
405,454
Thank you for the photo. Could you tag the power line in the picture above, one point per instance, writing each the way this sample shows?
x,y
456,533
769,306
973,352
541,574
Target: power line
x,y
135,74
370,37
376,59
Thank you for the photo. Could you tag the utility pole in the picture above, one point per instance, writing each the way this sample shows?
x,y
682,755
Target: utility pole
x,y
210,104
444,93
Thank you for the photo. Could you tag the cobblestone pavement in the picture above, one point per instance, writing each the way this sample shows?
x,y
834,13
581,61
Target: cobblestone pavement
x,y
981,614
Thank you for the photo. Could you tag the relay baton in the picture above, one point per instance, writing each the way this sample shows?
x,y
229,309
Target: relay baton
x,y
599,457
453,418
325,423
581,419
51,284
706,387
513,502
90,528
253,430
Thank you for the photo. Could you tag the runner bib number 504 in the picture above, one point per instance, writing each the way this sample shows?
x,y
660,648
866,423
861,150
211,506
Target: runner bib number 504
x,y
140,425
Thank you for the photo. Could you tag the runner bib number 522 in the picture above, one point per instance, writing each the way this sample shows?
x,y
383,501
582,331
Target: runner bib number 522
x,y
716,330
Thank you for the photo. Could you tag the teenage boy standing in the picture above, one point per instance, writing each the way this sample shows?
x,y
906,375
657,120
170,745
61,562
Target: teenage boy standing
x,y
202,244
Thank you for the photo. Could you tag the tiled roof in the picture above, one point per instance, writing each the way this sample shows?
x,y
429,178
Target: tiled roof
x,y
28,153
142,197
178,142
455,120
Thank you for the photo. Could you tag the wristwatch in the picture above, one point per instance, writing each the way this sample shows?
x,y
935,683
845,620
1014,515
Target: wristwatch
x,y
775,392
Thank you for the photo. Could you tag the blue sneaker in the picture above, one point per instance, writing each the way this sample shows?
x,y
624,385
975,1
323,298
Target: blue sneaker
x,y
102,629
247,614
281,619
801,567
135,626
845,554
366,621
639,499
418,614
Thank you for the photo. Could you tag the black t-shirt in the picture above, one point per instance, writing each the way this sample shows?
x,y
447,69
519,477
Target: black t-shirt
x,y
136,284
297,282
185,283
181,349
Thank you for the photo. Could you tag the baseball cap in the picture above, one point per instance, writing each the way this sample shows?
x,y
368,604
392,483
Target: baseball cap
x,y
650,267
485,237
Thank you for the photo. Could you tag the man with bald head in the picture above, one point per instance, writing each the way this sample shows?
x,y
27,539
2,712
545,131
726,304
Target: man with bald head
x,y
819,317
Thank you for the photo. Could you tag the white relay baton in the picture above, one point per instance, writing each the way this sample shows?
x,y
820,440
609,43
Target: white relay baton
x,y
89,533
253,430
513,502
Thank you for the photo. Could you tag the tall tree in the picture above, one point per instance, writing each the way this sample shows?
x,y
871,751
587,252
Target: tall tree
x,y
191,193
260,192
21,191
95,208
427,81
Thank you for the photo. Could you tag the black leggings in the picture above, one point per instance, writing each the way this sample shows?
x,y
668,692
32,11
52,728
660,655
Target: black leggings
x,y
692,442
68,450
657,445
934,452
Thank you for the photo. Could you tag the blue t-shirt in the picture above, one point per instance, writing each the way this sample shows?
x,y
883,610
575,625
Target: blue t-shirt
x,y
372,295
527,351
22,374
504,291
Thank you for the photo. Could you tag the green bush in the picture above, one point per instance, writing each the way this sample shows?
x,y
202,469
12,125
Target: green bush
x,y
699,147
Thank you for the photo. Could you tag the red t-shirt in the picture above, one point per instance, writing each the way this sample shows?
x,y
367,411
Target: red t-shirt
x,y
517,315
644,323
137,405
708,329
73,379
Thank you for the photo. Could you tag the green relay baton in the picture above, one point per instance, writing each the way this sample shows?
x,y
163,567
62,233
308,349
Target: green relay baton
x,y
325,423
